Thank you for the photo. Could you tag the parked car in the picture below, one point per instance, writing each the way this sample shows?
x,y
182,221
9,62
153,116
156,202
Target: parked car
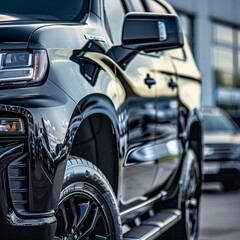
x,y
221,149
100,136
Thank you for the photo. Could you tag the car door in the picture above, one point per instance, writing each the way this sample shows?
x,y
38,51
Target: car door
x,y
167,144
137,116
167,105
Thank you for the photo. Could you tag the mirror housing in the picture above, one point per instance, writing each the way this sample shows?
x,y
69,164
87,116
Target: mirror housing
x,y
152,32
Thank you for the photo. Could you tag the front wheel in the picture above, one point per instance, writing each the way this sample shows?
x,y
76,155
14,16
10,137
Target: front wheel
x,y
87,207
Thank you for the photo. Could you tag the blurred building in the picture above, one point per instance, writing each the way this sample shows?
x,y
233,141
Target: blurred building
x,y
213,30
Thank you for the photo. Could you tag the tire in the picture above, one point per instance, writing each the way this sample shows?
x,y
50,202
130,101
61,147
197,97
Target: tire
x,y
87,206
188,200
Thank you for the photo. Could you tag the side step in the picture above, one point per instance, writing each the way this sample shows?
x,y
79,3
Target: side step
x,y
154,226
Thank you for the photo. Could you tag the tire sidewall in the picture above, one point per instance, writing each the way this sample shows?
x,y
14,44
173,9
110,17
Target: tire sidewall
x,y
190,164
84,177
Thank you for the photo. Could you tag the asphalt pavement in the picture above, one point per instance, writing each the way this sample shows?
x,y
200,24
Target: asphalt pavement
x,y
220,214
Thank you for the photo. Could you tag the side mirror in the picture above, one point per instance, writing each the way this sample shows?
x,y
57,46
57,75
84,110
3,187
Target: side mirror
x,y
151,32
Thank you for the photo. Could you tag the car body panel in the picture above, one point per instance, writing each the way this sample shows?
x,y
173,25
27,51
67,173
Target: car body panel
x,y
151,124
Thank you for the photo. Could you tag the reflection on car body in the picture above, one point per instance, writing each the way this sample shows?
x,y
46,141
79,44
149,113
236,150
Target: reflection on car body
x,y
100,125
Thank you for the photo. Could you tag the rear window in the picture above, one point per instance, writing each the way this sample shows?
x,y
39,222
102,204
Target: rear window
x,y
74,10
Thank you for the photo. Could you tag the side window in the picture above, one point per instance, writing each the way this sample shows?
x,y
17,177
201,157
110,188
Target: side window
x,y
154,6
115,16
187,25
135,5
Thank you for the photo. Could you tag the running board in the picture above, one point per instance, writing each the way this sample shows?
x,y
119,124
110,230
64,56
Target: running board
x,y
154,226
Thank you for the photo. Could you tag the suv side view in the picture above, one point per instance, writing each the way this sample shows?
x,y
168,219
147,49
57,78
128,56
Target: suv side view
x,y
100,128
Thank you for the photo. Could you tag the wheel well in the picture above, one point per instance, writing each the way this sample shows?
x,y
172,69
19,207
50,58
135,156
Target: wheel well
x,y
196,141
95,141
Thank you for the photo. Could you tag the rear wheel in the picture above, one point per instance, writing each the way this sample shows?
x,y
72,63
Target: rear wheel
x,y
187,228
87,208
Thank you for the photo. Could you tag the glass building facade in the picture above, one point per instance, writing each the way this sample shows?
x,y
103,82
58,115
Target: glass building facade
x,y
213,30
226,61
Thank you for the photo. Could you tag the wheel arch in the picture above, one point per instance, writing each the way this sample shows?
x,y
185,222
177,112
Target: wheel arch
x,y
96,138
195,137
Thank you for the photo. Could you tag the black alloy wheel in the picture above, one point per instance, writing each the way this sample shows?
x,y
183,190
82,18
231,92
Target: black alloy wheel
x,y
189,199
87,208
192,204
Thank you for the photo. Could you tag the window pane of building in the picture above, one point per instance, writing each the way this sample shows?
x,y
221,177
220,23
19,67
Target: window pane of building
x,y
223,58
224,79
222,34
238,37
226,63
239,62
238,69
223,66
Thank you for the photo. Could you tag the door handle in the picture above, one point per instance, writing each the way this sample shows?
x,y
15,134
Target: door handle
x,y
149,81
172,84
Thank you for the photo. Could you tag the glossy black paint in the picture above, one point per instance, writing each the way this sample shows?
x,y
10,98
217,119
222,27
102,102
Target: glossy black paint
x,y
142,32
151,126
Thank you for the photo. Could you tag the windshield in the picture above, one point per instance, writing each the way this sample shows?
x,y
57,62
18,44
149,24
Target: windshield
x,y
46,9
218,122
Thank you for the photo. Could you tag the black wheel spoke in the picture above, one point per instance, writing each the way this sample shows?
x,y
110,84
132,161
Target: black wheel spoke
x,y
80,218
65,218
193,215
84,211
192,204
74,211
93,224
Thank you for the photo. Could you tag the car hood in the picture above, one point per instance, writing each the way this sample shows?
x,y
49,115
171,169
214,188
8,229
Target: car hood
x,y
221,138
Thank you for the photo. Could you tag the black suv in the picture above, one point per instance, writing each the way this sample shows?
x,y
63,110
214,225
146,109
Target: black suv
x,y
100,129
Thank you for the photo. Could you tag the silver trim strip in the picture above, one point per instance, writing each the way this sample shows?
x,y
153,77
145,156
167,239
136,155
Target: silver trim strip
x,y
160,195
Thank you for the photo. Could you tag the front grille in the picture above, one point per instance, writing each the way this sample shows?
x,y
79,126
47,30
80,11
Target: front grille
x,y
18,183
223,148
222,152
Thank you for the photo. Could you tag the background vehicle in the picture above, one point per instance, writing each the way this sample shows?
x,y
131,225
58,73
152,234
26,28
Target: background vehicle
x,y
221,149
97,132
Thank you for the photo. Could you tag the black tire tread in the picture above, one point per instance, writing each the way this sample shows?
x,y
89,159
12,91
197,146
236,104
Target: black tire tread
x,y
74,162
178,232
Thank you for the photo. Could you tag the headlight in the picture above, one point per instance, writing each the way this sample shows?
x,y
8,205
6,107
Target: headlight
x,y
11,125
208,151
22,67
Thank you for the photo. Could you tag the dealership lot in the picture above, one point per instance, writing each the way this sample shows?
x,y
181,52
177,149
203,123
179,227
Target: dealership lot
x,y
220,214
